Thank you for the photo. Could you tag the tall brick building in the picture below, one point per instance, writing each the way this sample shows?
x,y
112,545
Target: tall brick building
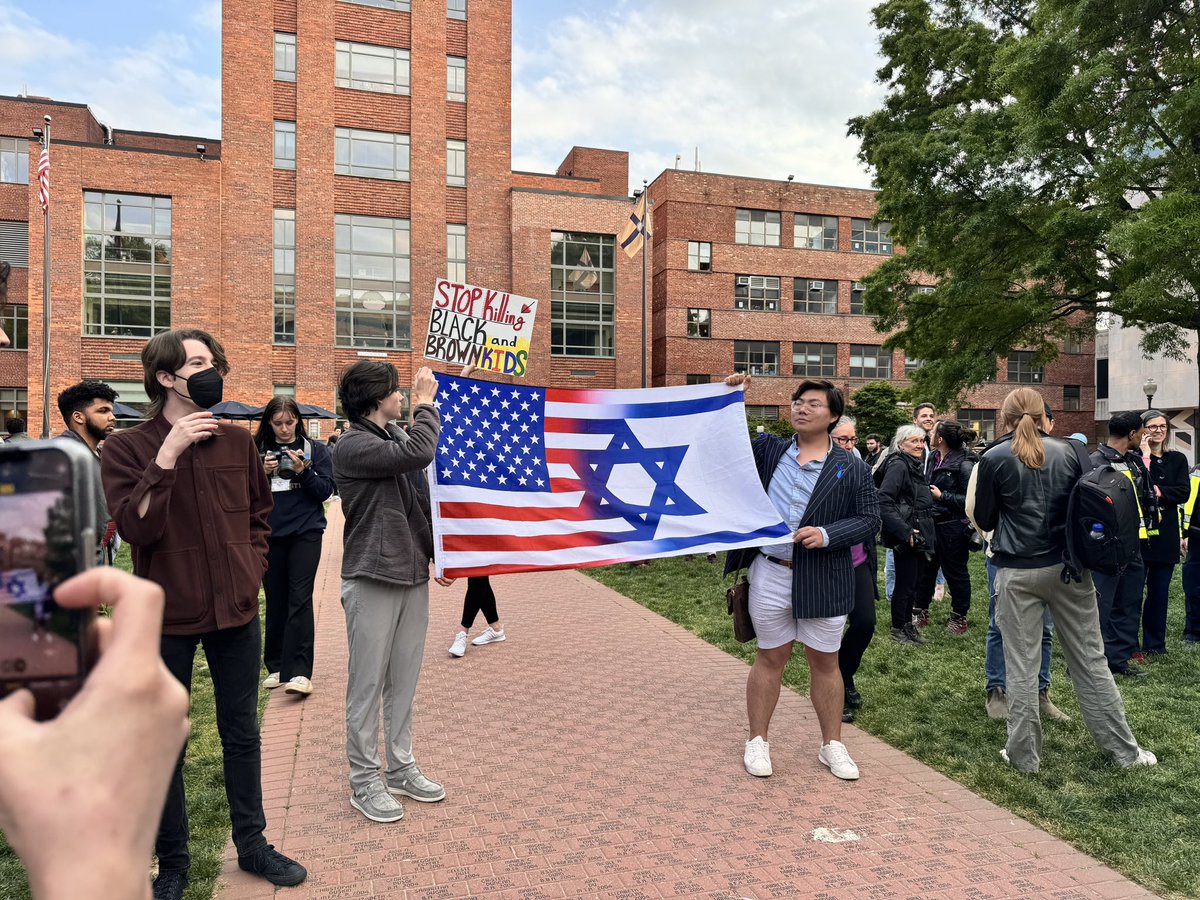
x,y
366,153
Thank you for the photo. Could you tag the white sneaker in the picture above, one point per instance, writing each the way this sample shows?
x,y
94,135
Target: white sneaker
x,y
758,758
1144,758
272,681
459,647
489,636
837,757
299,685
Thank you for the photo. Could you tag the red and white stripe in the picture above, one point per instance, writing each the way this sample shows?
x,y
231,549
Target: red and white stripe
x,y
44,179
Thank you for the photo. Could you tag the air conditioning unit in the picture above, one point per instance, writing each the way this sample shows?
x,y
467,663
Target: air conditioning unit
x,y
816,285
857,286
744,279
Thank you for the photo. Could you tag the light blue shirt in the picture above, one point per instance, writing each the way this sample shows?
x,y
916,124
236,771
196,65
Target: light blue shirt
x,y
790,490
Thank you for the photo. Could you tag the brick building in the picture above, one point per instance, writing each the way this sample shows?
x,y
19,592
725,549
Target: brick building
x,y
366,152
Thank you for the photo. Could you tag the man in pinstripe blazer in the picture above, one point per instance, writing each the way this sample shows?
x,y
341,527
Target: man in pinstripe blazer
x,y
802,590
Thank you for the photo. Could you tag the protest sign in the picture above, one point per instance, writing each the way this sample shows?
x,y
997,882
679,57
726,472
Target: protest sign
x,y
488,329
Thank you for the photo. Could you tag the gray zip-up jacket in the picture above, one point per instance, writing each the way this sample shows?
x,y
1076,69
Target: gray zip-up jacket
x,y
388,534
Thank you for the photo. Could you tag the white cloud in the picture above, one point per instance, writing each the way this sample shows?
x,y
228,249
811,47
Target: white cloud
x,y
764,92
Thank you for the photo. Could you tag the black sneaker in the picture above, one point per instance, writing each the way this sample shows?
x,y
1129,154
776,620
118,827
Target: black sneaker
x,y
847,715
853,699
170,885
900,636
1132,672
914,636
272,865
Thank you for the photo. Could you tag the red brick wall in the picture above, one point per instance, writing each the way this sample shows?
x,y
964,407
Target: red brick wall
x,y
609,167
70,121
167,142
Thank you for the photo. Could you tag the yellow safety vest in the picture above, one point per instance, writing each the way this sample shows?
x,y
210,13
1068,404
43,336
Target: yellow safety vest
x,y
1144,532
1185,509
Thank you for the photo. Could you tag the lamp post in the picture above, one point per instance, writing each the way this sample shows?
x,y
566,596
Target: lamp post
x,y
1149,389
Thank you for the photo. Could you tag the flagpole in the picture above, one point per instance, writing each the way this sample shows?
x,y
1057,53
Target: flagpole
x,y
645,250
46,303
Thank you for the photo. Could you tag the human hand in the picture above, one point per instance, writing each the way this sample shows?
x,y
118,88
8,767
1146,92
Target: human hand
x,y
270,464
467,370
445,582
298,459
1183,545
424,387
187,430
809,537
738,378
101,768
936,491
912,539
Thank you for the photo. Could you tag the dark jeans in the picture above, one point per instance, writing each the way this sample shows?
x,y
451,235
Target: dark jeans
x,y
232,655
480,596
862,624
953,552
1154,612
1191,591
291,572
910,566
1119,598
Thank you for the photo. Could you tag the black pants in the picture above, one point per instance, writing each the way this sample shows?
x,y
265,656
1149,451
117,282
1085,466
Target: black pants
x,y
480,597
862,624
1119,598
232,655
953,553
910,564
291,572
1154,611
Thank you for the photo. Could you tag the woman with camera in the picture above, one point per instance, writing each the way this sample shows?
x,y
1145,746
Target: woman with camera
x,y
906,506
301,476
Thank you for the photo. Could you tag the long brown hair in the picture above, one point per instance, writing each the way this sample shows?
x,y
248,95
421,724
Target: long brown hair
x,y
1024,414
265,434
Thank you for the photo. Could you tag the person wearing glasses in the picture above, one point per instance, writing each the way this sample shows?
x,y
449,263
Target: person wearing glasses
x,y
1160,552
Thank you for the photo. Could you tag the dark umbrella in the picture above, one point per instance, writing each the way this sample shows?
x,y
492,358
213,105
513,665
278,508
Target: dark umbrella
x,y
308,411
232,409
121,411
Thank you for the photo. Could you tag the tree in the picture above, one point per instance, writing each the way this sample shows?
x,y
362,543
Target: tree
x,y
1040,161
877,408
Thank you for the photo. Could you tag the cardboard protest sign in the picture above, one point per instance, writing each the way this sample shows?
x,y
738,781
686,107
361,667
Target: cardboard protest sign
x,y
489,329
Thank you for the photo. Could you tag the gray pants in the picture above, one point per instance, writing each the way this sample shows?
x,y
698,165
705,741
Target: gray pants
x,y
386,625
1023,596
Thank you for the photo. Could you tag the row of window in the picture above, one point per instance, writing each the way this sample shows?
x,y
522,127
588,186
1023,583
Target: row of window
x,y
455,9
869,361
370,154
371,67
761,293
761,228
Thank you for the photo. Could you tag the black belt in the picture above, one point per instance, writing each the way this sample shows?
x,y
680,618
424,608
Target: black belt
x,y
786,563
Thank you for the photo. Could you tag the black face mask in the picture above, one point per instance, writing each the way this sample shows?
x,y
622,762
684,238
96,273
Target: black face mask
x,y
206,388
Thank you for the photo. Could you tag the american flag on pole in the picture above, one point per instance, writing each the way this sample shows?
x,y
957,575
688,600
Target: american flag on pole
x,y
636,230
44,179
529,478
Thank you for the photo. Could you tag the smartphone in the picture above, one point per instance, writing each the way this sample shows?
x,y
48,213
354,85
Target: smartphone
x,y
48,530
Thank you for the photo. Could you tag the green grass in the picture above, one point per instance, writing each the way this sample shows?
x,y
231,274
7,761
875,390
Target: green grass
x,y
208,810
929,702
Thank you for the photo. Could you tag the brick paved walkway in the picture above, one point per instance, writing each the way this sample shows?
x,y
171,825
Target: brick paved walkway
x,y
597,753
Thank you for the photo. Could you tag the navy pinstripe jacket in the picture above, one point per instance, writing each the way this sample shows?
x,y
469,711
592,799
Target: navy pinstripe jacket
x,y
844,503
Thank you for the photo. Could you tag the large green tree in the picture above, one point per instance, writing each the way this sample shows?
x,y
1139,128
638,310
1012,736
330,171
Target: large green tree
x,y
879,407
1040,162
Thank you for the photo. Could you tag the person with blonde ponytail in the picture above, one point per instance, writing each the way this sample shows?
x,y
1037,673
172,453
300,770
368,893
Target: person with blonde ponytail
x,y
1023,485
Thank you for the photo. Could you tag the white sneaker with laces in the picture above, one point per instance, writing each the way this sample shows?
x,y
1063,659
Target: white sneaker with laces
x,y
489,636
758,758
299,685
837,757
272,681
1144,758
459,647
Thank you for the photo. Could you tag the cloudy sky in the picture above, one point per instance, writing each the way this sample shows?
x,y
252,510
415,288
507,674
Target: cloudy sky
x,y
761,88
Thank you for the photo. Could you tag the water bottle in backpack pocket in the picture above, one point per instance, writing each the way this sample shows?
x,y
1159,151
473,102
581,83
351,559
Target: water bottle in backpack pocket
x,y
1102,523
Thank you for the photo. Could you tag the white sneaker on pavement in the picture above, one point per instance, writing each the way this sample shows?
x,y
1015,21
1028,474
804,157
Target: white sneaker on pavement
x,y
459,647
758,757
837,757
489,636
272,681
299,685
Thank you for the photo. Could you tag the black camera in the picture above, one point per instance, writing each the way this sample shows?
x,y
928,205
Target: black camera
x,y
287,468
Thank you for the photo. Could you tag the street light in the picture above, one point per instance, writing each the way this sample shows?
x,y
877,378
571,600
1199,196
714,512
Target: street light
x,y
1149,389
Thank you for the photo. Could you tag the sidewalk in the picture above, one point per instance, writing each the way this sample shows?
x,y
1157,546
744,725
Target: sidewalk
x,y
598,753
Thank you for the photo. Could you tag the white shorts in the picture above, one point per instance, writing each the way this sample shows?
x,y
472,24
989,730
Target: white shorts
x,y
771,612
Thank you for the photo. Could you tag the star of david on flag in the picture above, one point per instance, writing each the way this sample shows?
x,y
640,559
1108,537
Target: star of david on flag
x,y
528,478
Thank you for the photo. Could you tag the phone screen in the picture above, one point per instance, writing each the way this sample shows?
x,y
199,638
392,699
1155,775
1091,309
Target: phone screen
x,y
41,644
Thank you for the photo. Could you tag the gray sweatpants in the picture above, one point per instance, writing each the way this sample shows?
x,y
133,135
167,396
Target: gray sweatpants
x,y
1023,595
386,625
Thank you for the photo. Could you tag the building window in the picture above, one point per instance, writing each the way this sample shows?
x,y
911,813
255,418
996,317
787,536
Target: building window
x,y
372,296
126,264
14,320
456,9
762,412
1072,345
868,238
14,244
699,256
759,292
399,5
371,154
814,295
582,294
14,161
132,394
285,145
814,359
757,227
699,323
285,276
456,253
283,390
856,299
1021,369
285,57
911,365
699,379
816,232
456,163
456,78
368,67
1071,397
870,361
756,357
920,289
13,400
981,421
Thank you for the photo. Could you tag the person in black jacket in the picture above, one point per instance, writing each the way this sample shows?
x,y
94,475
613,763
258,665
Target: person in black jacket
x,y
906,507
1160,552
301,475
949,473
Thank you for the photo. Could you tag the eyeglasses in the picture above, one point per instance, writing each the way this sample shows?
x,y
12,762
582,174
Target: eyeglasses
x,y
1156,428
846,441
811,404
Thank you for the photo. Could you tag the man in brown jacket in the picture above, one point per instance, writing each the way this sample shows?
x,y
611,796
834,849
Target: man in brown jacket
x,y
191,498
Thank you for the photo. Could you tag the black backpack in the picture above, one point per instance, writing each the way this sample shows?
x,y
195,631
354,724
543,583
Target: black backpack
x,y
1105,496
